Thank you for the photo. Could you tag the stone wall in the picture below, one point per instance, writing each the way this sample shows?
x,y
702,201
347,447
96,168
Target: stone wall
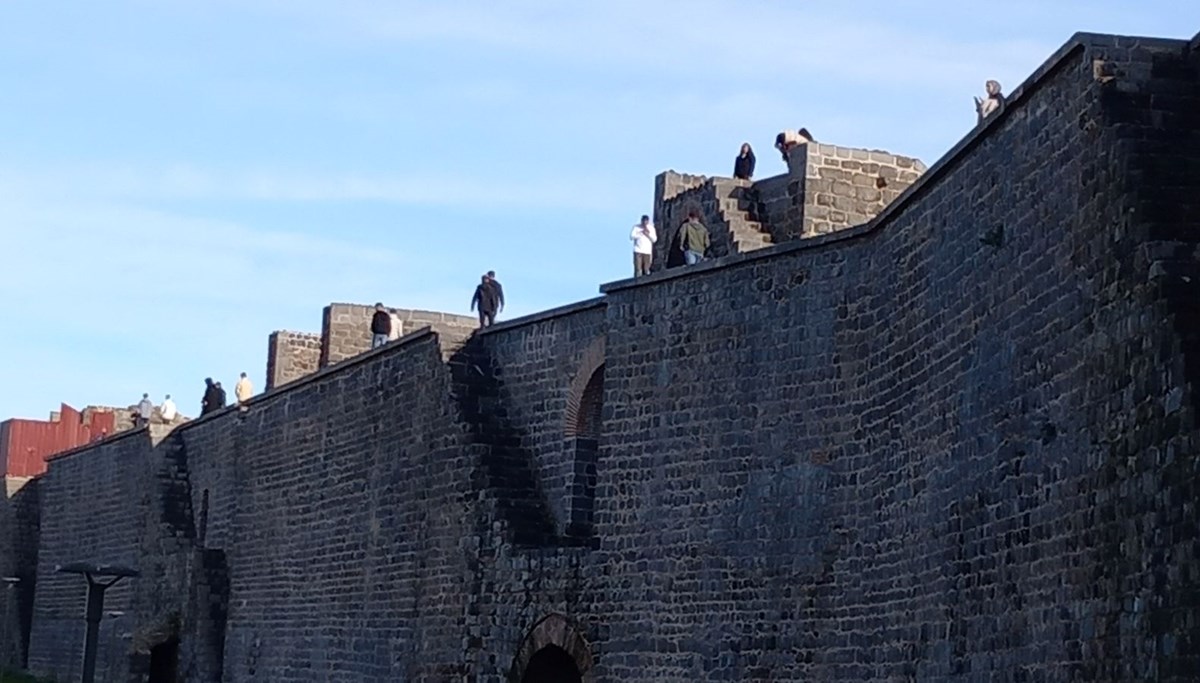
x,y
290,356
942,448
830,188
537,370
93,503
346,328
956,443
19,532
827,188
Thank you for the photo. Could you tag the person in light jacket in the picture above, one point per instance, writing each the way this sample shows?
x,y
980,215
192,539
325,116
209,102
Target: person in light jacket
x,y
643,237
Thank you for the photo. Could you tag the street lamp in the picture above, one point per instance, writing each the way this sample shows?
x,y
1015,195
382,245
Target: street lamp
x,y
95,575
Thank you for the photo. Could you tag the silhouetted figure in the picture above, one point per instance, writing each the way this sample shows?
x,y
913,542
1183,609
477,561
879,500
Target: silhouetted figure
x,y
788,139
213,398
743,166
220,396
145,410
486,301
694,239
991,103
381,326
491,276
643,237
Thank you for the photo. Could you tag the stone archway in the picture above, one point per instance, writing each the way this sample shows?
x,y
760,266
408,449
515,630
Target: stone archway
x,y
583,430
554,651
551,664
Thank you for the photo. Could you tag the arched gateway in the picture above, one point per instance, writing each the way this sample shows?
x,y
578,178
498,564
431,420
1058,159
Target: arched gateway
x,y
554,651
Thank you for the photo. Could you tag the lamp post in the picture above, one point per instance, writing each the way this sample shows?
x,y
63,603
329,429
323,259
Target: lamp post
x,y
95,574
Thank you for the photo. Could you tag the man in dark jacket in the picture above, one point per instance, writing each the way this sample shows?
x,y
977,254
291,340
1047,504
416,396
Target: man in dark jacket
x,y
491,276
212,397
381,326
488,296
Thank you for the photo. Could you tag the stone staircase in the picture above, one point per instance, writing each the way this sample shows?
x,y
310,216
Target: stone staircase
x,y
746,234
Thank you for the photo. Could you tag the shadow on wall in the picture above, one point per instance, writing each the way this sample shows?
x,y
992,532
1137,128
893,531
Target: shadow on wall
x,y
507,467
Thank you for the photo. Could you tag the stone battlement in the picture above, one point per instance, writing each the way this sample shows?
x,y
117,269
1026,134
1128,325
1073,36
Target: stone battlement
x,y
955,441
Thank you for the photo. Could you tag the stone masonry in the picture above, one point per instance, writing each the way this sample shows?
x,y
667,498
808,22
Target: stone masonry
x,y
957,442
290,356
346,328
826,188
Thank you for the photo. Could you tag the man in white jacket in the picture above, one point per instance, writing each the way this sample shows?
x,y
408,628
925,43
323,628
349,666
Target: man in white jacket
x,y
643,237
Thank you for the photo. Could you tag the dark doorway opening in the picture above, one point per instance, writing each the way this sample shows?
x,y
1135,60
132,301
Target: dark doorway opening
x,y
164,662
551,664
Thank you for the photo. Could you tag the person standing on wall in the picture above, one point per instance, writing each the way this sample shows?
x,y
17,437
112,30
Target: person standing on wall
x,y
167,410
243,390
491,276
145,410
643,237
381,326
695,241
743,166
397,329
486,301
213,397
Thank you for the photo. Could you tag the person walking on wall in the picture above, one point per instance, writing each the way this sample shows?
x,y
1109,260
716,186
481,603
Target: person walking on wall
x,y
213,399
381,326
743,166
491,276
167,410
695,241
643,237
243,390
145,410
220,396
486,301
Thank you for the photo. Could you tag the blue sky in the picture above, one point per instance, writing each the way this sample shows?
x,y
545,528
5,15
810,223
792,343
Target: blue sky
x,y
178,179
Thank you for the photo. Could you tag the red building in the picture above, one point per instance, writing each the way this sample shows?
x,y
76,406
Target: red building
x,y
25,444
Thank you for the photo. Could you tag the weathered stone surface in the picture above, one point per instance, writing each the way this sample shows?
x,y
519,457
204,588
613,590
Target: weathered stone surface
x,y
954,444
290,356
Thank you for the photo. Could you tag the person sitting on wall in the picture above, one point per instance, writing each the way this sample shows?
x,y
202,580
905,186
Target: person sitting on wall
x,y
381,326
743,166
994,100
785,141
487,301
695,241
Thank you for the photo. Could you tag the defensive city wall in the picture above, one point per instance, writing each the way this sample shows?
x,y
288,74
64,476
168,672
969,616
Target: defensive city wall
x,y
952,441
